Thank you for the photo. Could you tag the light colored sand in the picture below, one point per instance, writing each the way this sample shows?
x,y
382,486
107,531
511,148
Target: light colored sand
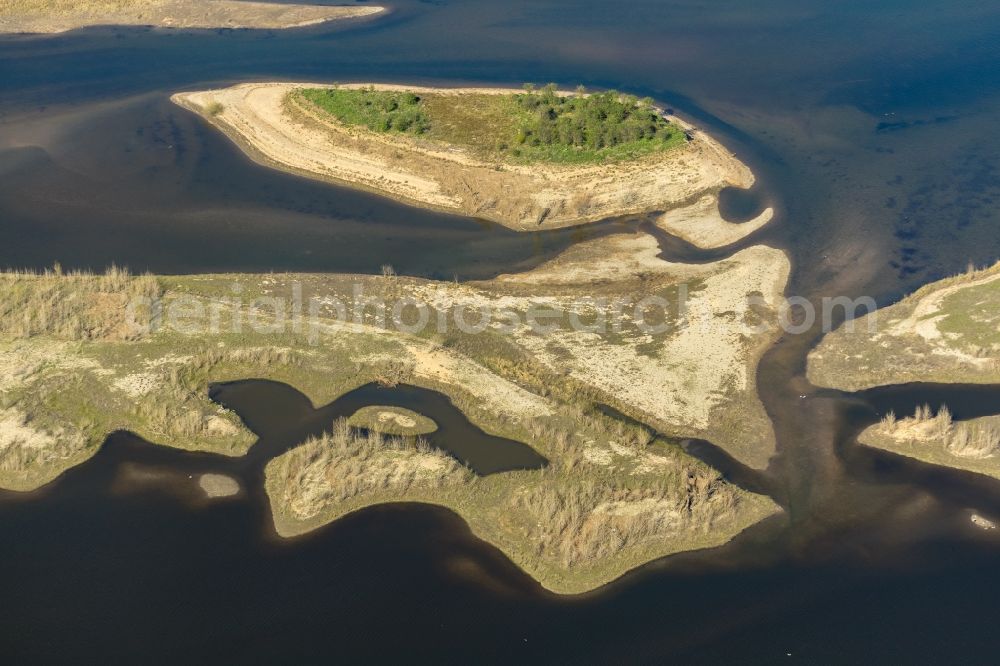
x,y
16,432
51,16
218,485
680,380
449,367
982,523
137,384
688,375
617,258
399,419
927,312
701,224
429,361
418,171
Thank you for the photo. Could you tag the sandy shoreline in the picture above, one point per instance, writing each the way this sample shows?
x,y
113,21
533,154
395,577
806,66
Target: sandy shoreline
x,y
448,178
32,16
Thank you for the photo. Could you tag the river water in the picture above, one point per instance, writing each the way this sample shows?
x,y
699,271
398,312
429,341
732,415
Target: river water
x,y
871,126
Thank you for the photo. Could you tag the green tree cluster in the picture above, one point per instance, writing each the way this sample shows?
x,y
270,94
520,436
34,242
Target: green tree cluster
x,y
379,111
594,122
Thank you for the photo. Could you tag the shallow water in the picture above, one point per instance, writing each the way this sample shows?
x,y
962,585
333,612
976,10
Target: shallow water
x,y
871,127
283,417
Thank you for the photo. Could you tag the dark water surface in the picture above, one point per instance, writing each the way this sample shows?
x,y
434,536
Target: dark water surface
x,y
871,127
283,417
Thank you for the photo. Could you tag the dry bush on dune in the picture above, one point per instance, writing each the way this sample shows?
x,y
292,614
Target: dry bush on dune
x,y
75,306
973,441
344,464
24,446
588,521
963,439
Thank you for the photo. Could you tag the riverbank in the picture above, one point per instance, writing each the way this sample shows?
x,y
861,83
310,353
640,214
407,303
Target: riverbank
x,y
274,125
54,16
945,332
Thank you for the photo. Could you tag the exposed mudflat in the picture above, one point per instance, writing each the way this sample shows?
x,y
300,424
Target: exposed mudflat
x,y
46,16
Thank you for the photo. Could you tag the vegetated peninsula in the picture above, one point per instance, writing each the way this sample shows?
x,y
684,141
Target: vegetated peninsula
x,y
946,332
51,16
613,496
526,159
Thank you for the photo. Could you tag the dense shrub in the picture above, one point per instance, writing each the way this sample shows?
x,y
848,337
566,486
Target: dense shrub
x,y
379,111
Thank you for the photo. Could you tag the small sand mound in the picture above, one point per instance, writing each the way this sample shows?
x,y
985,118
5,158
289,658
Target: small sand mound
x,y
218,485
982,523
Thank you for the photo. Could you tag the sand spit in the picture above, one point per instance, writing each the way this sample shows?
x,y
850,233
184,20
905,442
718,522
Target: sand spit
x,y
276,131
53,16
701,224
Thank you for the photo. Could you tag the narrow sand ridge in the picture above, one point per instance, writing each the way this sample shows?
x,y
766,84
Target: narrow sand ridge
x,y
276,130
702,225
52,16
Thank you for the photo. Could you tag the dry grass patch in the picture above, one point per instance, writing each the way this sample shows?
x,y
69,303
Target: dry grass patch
x,y
76,305
390,420
343,465
972,445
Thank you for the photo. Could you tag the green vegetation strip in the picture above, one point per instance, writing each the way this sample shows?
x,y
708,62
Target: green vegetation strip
x,y
533,126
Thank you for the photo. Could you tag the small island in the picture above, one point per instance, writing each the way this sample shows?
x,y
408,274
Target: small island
x,y
53,16
529,159
218,485
388,420
946,332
